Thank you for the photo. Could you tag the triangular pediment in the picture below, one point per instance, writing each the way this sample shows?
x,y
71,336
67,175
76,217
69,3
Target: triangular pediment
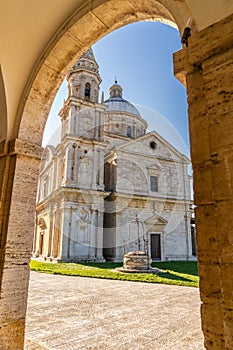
x,y
156,167
152,144
155,220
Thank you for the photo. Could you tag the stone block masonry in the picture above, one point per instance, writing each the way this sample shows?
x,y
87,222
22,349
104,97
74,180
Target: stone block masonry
x,y
207,67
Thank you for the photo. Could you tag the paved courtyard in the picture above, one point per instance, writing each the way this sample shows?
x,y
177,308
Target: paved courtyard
x,y
75,313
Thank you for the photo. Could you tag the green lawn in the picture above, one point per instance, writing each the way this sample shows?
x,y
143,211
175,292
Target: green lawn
x,y
182,273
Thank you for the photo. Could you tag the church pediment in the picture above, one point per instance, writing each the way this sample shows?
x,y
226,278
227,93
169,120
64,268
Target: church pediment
x,y
152,144
155,220
155,167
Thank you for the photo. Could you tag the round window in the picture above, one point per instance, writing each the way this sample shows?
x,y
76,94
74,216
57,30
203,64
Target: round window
x,y
153,145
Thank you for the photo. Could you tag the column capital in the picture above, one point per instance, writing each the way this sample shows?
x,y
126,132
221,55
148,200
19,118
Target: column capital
x,y
211,41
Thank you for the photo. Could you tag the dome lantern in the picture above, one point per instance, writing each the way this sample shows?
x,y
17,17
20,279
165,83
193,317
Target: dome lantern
x,y
116,103
115,90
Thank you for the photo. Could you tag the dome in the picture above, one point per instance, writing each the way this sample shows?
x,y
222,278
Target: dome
x,y
117,103
120,105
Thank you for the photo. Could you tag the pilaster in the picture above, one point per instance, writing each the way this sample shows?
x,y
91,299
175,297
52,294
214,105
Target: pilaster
x,y
99,236
56,237
101,168
66,227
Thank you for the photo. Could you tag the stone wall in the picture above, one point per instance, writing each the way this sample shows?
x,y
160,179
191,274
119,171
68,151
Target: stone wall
x,y
207,66
169,221
211,145
136,163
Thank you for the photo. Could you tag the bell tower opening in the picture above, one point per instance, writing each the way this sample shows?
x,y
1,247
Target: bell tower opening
x,y
87,91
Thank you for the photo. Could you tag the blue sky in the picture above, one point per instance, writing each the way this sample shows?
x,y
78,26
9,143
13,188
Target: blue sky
x,y
139,55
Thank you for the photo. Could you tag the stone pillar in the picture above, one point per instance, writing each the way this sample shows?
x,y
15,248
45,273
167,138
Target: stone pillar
x,y
206,66
17,213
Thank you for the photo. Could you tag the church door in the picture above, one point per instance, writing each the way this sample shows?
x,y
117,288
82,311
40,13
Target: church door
x,y
155,245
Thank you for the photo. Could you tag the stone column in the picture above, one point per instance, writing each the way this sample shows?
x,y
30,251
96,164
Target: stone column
x,y
206,66
20,164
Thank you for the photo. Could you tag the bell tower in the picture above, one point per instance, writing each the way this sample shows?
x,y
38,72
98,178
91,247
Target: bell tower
x,y
84,78
81,114
82,118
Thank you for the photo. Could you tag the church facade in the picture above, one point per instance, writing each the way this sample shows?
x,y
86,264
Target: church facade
x,y
109,187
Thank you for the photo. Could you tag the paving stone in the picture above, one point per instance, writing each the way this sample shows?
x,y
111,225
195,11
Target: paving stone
x,y
75,313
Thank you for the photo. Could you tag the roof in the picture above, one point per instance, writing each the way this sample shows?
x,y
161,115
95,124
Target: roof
x,y
118,104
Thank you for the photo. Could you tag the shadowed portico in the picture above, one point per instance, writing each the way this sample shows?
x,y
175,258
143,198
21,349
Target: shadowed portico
x,y
206,65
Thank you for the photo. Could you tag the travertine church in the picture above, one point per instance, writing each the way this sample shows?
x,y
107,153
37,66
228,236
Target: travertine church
x,y
110,186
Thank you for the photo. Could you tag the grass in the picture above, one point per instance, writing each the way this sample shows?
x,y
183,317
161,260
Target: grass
x,y
181,273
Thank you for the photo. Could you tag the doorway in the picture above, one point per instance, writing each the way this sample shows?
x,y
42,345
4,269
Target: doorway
x,y
155,246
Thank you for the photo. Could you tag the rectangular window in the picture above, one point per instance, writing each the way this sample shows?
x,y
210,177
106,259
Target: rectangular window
x,y
154,183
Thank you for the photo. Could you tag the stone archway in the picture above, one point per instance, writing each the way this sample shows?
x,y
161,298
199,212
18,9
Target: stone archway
x,y
208,55
25,149
72,40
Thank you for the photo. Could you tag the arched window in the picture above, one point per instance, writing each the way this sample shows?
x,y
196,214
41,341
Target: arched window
x,y
129,131
87,91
